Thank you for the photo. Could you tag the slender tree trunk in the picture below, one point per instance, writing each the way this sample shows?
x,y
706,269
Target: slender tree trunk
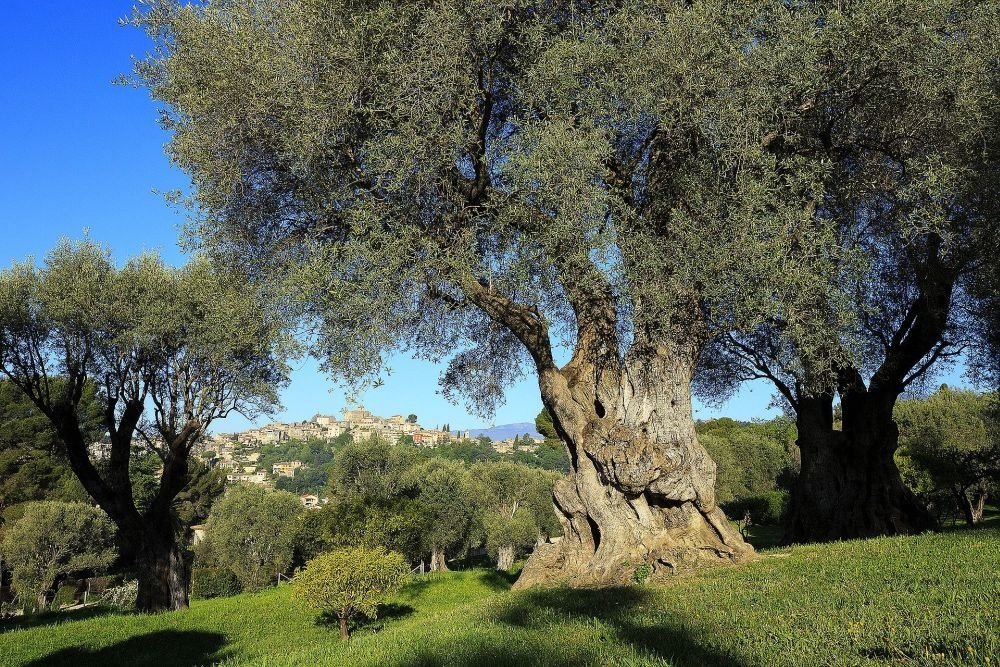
x,y
642,488
979,496
163,570
849,486
505,557
438,563
345,632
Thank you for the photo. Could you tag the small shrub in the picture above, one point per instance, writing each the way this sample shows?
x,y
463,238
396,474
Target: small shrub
x,y
642,573
122,597
214,582
352,581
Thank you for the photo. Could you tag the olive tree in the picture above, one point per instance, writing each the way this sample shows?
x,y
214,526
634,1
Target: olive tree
x,y
952,437
582,191
900,100
52,540
251,531
350,581
169,350
517,513
443,490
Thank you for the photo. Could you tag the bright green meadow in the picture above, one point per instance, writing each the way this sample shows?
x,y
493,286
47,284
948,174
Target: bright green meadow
x,y
928,600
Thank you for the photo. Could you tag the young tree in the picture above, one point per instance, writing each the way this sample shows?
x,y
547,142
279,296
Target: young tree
x,y
493,181
252,532
52,540
900,101
953,438
170,350
352,581
442,487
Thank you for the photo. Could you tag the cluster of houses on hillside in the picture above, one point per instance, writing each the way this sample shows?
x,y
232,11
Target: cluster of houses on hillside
x,y
239,453
360,422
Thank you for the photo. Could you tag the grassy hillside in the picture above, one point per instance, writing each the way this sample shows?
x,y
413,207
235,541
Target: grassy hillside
x,y
930,600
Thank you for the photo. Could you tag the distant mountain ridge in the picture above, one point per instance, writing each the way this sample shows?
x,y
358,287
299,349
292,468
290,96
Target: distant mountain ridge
x,y
504,431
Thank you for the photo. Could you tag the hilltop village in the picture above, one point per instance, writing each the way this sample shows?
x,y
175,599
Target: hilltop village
x,y
250,456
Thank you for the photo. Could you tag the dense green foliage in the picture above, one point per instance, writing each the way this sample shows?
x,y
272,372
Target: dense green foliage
x,y
756,465
444,490
251,531
214,582
515,503
52,540
349,582
33,463
950,450
928,600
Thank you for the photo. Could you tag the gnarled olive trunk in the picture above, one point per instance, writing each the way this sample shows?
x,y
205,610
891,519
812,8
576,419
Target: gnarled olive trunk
x,y
438,563
849,486
164,572
972,502
505,557
642,488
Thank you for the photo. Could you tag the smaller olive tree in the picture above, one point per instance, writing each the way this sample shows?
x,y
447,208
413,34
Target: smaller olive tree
x,y
348,582
52,540
516,507
252,532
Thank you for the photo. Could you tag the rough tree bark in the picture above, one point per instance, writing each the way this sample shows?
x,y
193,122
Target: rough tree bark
x,y
642,488
438,563
972,506
849,486
149,538
345,632
164,571
505,558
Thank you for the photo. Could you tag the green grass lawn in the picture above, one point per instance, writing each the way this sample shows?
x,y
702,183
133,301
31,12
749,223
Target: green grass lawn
x,y
930,600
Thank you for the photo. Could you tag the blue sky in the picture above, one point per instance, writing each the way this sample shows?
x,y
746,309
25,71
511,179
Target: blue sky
x,y
80,155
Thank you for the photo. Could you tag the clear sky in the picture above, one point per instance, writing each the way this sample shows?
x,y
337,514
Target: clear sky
x,y
80,155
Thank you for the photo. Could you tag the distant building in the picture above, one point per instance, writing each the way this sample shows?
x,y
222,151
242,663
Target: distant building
x,y
286,468
258,478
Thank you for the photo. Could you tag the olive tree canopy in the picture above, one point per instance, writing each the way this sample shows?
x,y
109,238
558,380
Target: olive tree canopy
x,y
170,350
903,105
510,183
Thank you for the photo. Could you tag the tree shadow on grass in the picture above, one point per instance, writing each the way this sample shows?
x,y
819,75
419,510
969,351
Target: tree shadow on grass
x,y
498,580
386,613
167,648
617,608
54,617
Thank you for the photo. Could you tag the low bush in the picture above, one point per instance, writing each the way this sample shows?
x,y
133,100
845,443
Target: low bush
x,y
349,582
213,582
122,597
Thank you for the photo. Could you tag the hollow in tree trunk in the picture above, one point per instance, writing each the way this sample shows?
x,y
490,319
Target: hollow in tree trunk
x,y
641,488
438,563
849,486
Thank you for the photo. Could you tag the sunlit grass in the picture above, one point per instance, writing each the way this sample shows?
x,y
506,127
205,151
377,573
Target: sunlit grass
x,y
929,600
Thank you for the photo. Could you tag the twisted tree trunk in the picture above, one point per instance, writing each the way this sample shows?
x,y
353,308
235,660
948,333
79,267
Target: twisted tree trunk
x,y
642,488
505,557
438,563
973,505
849,486
164,571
